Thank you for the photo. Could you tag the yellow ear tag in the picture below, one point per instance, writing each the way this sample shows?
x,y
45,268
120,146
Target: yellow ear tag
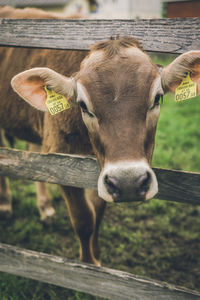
x,y
186,90
55,102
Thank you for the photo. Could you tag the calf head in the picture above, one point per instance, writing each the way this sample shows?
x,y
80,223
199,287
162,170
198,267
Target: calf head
x,y
118,89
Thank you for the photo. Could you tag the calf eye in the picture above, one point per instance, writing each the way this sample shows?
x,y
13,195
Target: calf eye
x,y
157,100
83,106
84,109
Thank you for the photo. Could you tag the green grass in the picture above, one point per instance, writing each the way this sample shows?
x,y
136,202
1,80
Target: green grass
x,y
158,239
178,135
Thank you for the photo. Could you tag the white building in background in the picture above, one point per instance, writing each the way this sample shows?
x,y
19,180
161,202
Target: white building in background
x,y
74,7
143,9
117,9
107,9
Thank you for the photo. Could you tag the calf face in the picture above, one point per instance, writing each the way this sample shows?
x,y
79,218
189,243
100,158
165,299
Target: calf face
x,y
118,89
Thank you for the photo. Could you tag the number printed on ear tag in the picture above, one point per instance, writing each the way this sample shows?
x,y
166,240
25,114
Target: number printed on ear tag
x,y
55,102
186,90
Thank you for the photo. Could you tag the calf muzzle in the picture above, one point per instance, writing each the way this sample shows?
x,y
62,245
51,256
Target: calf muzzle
x,y
127,182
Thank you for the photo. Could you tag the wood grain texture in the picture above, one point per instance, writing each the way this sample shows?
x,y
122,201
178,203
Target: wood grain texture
x,y
103,282
63,169
159,35
81,171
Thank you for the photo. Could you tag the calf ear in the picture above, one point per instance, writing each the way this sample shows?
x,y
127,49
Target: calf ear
x,y
173,74
30,85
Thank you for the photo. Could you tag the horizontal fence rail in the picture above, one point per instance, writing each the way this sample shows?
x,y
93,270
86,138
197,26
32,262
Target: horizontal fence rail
x,y
103,282
159,35
83,172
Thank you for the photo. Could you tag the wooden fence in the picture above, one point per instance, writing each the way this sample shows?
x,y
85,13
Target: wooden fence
x,y
165,35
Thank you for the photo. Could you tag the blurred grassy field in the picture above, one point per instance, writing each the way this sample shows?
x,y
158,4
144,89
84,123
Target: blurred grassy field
x,y
158,239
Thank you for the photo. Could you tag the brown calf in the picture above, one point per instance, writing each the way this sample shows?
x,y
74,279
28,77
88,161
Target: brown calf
x,y
118,89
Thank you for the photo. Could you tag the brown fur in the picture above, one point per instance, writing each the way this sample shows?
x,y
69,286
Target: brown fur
x,y
113,99
62,133
119,84
114,46
29,13
25,122
5,194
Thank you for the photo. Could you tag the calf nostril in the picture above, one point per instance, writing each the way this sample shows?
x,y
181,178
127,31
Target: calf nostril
x,y
111,185
144,183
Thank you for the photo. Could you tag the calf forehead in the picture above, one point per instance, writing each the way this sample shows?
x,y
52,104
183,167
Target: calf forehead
x,y
124,77
97,60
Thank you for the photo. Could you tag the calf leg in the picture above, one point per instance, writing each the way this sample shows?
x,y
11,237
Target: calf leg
x,y
83,219
99,207
46,210
5,194
5,198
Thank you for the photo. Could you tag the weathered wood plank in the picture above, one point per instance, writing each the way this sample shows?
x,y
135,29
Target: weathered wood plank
x,y
178,186
159,35
63,169
81,171
86,278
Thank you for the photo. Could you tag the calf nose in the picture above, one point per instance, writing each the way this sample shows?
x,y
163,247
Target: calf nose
x,y
127,181
112,186
122,189
143,184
